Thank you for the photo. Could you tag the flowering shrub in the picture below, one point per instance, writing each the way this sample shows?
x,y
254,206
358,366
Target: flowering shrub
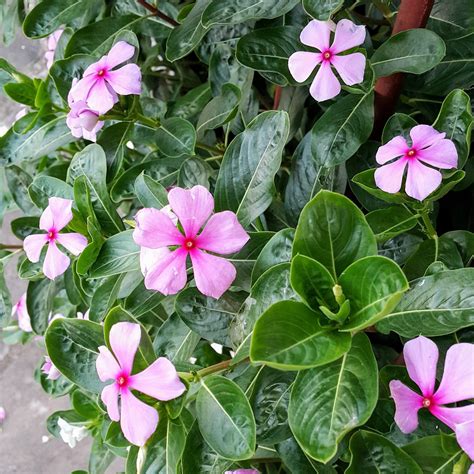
x,y
247,232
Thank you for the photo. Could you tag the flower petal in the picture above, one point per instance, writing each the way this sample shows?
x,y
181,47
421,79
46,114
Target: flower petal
x,y
223,233
33,244
109,396
80,90
74,242
120,52
168,276
24,321
457,383
137,419
316,34
124,339
126,80
442,154
394,148
301,64
423,136
421,358
407,404
351,67
57,215
55,262
421,180
100,97
389,177
453,416
151,257
160,380
155,229
213,275
348,35
106,364
192,206
465,438
325,85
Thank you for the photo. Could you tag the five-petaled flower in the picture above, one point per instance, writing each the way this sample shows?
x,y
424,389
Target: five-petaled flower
x,y
350,67
21,311
160,380
165,270
427,146
83,121
101,83
54,218
457,385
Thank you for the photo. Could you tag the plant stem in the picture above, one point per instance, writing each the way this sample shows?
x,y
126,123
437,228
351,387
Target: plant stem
x,y
147,121
277,98
157,13
217,367
10,246
430,231
211,149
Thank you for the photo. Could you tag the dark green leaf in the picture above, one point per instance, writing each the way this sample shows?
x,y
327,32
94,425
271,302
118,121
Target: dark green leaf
x,y
39,301
176,137
322,9
150,192
390,222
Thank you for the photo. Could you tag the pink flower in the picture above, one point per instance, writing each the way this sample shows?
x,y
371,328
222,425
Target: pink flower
x,y
350,67
52,43
54,218
3,414
243,471
160,380
82,121
101,83
50,369
21,311
457,384
428,146
83,315
165,271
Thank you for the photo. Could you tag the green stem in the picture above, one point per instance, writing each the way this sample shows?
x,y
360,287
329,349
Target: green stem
x,y
430,231
214,158
208,148
217,367
10,246
148,121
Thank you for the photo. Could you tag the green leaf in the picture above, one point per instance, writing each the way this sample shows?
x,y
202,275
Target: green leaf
x,y
398,124
5,300
289,336
176,137
141,301
39,302
23,226
194,171
73,345
23,92
390,222
150,192
333,231
189,105
119,254
44,187
415,51
104,297
18,181
329,401
342,129
372,453
245,182
322,9
225,418
435,305
297,461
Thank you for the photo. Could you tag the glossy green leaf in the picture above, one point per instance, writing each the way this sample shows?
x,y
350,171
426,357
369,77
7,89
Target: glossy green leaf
x,y
150,192
104,297
189,105
18,181
5,300
390,222
44,187
297,461
176,137
39,302
194,171
398,124
322,9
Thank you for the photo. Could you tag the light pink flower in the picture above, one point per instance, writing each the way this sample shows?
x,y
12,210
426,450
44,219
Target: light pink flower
x,y
457,384
243,471
160,380
83,315
350,67
82,121
54,218
50,369
52,43
3,414
21,311
165,271
101,83
428,146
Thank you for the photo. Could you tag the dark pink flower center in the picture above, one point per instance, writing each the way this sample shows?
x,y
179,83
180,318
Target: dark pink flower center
x,y
122,380
411,153
327,55
52,235
189,244
427,402
101,72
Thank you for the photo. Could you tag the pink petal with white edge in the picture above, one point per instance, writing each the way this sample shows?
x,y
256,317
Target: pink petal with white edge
x,y
394,148
407,404
423,136
57,215
192,206
124,339
155,229
109,396
348,35
301,64
442,154
100,97
120,52
351,67
421,358
421,180
168,276
465,438
160,380
389,177
223,234
453,416
151,257
106,365
213,275
325,85
55,262
74,242
457,383
137,419
33,244
317,33
126,80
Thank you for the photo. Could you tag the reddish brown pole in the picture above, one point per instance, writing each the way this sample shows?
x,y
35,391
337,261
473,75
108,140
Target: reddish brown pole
x,y
411,14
